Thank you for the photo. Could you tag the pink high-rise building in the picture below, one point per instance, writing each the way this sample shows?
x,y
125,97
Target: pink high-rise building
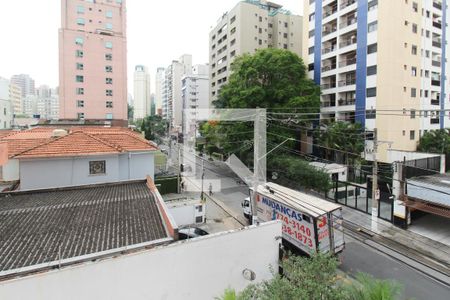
x,y
93,61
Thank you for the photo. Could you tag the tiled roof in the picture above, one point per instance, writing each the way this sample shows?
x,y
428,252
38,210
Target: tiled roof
x,y
47,226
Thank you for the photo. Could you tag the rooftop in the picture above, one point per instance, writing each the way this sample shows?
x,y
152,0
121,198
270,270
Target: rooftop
x,y
432,188
41,227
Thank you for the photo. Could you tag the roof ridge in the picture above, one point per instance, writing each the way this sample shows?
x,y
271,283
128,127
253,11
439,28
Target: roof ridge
x,y
40,145
116,147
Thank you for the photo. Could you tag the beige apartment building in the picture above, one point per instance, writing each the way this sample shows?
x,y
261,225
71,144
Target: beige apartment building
x,y
93,61
249,26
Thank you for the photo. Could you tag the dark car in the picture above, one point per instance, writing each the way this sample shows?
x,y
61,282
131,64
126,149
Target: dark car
x,y
189,233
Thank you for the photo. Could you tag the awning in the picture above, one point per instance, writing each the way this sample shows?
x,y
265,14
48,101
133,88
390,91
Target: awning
x,y
441,210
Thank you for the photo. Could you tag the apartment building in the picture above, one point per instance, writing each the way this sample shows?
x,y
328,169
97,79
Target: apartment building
x,y
25,82
159,82
5,104
195,92
249,26
381,64
142,94
44,105
93,61
172,96
15,95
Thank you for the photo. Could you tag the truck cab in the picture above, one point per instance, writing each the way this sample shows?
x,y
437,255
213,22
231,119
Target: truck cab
x,y
247,208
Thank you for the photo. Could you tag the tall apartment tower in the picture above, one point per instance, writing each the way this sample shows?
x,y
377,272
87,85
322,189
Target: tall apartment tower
x,y
5,104
249,26
172,96
25,82
159,83
381,64
15,95
142,93
93,60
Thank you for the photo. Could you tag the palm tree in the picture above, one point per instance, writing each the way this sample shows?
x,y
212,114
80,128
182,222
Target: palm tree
x,y
369,288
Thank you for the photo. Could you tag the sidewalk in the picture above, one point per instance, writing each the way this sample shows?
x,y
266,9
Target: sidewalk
x,y
420,243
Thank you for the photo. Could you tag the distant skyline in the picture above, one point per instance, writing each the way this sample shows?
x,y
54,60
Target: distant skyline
x,y
158,32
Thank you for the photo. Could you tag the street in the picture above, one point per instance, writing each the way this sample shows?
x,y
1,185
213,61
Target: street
x,y
356,257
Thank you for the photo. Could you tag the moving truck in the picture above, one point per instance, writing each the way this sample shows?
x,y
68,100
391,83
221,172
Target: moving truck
x,y
309,223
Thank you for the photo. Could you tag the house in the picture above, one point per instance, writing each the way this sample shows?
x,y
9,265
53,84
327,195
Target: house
x,y
76,156
336,171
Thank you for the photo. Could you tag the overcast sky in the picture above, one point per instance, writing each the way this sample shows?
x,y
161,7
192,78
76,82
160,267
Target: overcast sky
x,y
158,32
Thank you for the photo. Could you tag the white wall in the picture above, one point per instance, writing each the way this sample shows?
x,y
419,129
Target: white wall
x,y
197,269
185,213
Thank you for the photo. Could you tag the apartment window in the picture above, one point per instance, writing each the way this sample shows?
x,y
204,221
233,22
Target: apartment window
x,y
80,103
285,24
79,91
109,116
260,19
109,104
413,92
97,167
232,19
427,53
109,93
412,135
414,50
285,46
415,7
413,71
118,1
79,78
108,45
80,116
372,48
79,53
285,35
108,69
427,33
270,25
79,41
311,33
108,56
108,26
233,30
427,74
80,66
372,70
311,50
371,92
109,81
80,9
80,21
372,26
233,53
414,28
372,5
312,17
109,14
413,114
371,114
260,30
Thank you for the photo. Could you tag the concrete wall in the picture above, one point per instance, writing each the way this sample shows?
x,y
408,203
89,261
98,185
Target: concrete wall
x,y
186,212
196,269
75,171
11,170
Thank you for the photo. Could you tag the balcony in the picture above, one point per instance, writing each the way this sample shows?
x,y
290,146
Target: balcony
x,y
436,82
346,3
435,102
435,63
437,24
347,62
330,85
347,22
328,67
437,5
328,104
344,102
329,49
329,12
347,42
346,82
437,44
434,121
329,30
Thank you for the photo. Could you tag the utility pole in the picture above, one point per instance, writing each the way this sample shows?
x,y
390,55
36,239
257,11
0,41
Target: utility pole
x,y
179,169
375,191
255,168
203,176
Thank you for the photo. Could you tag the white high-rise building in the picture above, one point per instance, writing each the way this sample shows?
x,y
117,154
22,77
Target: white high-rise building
x,y
43,105
15,95
142,93
159,83
25,82
5,104
249,26
172,96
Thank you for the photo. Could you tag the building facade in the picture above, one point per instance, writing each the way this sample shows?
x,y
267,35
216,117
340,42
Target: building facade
x,y
381,64
249,26
43,105
172,95
93,60
15,94
142,93
25,82
159,82
5,104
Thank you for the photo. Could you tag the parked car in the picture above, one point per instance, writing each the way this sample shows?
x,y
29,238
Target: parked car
x,y
189,233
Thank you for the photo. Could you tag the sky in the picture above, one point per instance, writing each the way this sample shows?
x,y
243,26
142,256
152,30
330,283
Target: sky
x,y
158,32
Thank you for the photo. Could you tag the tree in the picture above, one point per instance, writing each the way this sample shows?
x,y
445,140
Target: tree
x,y
130,112
154,128
436,141
369,288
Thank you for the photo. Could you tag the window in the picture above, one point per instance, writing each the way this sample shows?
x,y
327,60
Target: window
x,y
372,26
80,9
80,66
371,114
414,50
108,26
79,78
109,93
285,46
413,71
412,135
108,80
108,56
413,92
80,21
372,70
285,35
108,69
108,45
118,1
232,19
97,167
79,41
109,104
109,116
311,33
79,91
415,7
311,50
312,17
79,53
80,116
372,5
372,48
80,103
109,14
414,28
413,114
371,92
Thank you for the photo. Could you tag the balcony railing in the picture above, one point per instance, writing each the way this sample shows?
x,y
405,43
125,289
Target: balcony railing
x,y
328,85
435,63
329,67
343,102
329,12
437,44
436,82
328,104
329,31
435,102
347,43
348,22
347,62
329,49
437,5
346,3
434,121
346,82
437,25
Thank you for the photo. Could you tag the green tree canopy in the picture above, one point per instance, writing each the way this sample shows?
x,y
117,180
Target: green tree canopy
x,y
435,141
154,128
